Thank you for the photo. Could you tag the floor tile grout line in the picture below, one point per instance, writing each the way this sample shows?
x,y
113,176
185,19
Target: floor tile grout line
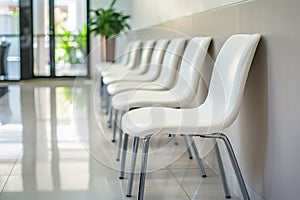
x,y
5,183
179,183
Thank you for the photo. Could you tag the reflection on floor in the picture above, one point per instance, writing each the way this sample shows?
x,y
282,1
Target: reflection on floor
x,y
54,144
3,90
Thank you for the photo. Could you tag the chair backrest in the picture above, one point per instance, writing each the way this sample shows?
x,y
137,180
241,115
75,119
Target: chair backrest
x,y
190,68
146,56
124,57
230,74
157,58
171,62
134,54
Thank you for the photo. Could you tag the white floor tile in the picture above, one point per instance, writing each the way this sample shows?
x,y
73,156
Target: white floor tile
x,y
200,188
159,185
61,187
3,179
6,166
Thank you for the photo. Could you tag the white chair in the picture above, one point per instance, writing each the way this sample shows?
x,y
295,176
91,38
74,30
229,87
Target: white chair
x,y
152,72
184,89
122,60
166,79
218,111
154,67
180,95
141,68
132,59
119,71
124,57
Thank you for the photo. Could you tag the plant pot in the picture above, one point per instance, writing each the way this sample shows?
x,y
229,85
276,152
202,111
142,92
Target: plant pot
x,y
107,49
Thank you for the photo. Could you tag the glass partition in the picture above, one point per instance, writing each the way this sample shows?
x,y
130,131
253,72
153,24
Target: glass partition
x,y
69,33
70,40
10,34
58,45
41,46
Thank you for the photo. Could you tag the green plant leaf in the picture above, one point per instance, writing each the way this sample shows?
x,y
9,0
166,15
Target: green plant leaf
x,y
108,22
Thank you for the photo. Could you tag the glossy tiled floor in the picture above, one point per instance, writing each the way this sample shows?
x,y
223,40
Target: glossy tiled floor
x,y
54,144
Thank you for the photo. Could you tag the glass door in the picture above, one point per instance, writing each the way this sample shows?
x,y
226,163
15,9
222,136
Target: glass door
x,y
60,39
9,40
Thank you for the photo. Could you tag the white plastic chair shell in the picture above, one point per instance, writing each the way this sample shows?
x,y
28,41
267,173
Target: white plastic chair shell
x,y
154,66
184,89
122,60
142,67
166,77
134,55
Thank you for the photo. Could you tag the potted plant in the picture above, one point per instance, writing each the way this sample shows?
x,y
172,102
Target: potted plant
x,y
108,23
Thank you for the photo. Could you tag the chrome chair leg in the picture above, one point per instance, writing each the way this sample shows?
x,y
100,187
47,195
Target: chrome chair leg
x,y
104,96
107,102
188,147
115,126
233,160
100,83
123,160
102,93
235,166
132,166
174,139
110,115
143,168
200,164
120,138
222,171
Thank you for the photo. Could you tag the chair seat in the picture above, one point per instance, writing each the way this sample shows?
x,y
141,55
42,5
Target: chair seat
x,y
120,73
113,68
119,87
129,77
154,120
142,98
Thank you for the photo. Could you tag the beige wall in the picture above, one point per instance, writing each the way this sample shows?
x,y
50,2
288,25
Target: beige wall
x,y
266,135
151,12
